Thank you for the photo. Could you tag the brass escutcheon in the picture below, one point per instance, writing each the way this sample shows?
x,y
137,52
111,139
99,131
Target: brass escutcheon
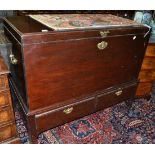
x,y
119,92
13,59
102,45
68,110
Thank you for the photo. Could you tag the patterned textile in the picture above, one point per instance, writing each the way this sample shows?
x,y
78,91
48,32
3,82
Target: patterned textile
x,y
78,21
114,125
3,39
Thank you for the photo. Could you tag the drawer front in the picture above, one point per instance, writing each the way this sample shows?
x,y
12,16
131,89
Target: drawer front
x,y
3,82
6,115
7,132
150,51
147,75
144,88
148,63
80,67
60,116
5,98
113,97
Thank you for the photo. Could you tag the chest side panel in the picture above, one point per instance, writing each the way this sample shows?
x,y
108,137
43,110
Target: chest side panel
x,y
17,70
68,69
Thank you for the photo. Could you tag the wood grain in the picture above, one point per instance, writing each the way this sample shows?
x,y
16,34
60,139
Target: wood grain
x,y
144,89
7,122
5,99
6,115
147,75
7,131
13,140
148,63
3,82
150,52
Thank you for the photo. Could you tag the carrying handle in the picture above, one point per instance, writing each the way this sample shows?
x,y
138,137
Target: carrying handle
x,y
13,60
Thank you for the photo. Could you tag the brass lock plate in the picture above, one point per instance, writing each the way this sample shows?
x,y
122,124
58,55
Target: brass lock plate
x,y
102,45
68,110
119,92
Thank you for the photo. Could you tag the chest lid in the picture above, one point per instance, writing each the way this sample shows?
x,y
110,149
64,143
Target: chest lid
x,y
46,28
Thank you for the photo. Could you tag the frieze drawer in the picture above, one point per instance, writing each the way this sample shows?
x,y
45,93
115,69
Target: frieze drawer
x,y
110,98
65,114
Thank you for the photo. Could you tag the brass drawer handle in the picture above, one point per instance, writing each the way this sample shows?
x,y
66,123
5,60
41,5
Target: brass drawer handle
x,y
102,45
119,92
68,110
13,59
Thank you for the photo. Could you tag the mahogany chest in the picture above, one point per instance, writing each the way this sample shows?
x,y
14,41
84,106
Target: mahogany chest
x,y
64,67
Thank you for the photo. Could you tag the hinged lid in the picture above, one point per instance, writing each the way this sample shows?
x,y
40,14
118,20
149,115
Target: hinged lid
x,y
48,28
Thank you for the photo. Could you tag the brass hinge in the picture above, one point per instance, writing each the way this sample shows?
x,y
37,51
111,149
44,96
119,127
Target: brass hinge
x,y
104,33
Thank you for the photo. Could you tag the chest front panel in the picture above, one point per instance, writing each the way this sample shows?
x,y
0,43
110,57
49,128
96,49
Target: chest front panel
x,y
68,69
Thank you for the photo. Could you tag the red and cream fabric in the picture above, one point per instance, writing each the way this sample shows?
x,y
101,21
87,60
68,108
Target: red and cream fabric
x,y
79,21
